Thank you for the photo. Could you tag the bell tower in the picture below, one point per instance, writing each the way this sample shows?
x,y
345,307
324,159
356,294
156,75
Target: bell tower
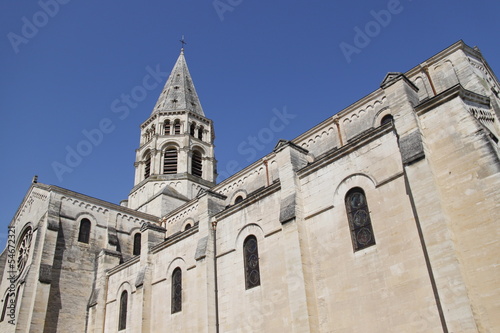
x,y
175,158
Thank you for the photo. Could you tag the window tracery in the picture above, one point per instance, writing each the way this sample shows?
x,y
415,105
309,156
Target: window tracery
x,y
23,249
251,260
359,219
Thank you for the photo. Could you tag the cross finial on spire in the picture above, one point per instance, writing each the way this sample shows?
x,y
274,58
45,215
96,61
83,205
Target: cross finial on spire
x,y
183,42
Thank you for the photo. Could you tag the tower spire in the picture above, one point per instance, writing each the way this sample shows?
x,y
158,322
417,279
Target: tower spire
x,y
179,93
175,158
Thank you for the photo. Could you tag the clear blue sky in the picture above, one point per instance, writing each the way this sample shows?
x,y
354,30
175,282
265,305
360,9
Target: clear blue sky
x,y
64,63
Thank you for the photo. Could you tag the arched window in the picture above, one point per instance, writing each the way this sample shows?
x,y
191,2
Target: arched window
x,y
238,199
147,166
177,126
176,290
84,233
359,219
251,260
137,244
166,127
196,165
387,119
187,227
23,248
192,129
200,133
122,316
170,161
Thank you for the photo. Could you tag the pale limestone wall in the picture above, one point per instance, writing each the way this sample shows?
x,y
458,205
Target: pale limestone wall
x,y
445,70
361,118
459,64
181,254
118,281
311,279
127,225
32,213
323,137
466,171
177,221
264,308
384,288
256,176
56,289
75,262
389,280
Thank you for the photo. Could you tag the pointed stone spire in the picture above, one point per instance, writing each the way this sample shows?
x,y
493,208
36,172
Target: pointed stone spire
x,y
179,93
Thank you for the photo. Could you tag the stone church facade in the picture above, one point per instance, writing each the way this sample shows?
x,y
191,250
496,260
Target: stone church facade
x,y
382,218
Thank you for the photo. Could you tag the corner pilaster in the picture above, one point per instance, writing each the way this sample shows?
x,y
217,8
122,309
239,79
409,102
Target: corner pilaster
x,y
209,204
302,296
402,97
106,259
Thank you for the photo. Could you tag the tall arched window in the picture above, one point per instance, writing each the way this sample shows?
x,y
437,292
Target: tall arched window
x,y
192,129
196,164
122,316
170,161
177,126
387,119
359,219
251,261
176,290
84,232
166,127
137,244
147,166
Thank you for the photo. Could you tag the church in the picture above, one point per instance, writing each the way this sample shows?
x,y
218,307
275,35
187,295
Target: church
x,y
382,218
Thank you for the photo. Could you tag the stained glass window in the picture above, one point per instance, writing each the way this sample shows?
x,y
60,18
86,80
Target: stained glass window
x,y
122,318
176,290
251,259
359,219
23,249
